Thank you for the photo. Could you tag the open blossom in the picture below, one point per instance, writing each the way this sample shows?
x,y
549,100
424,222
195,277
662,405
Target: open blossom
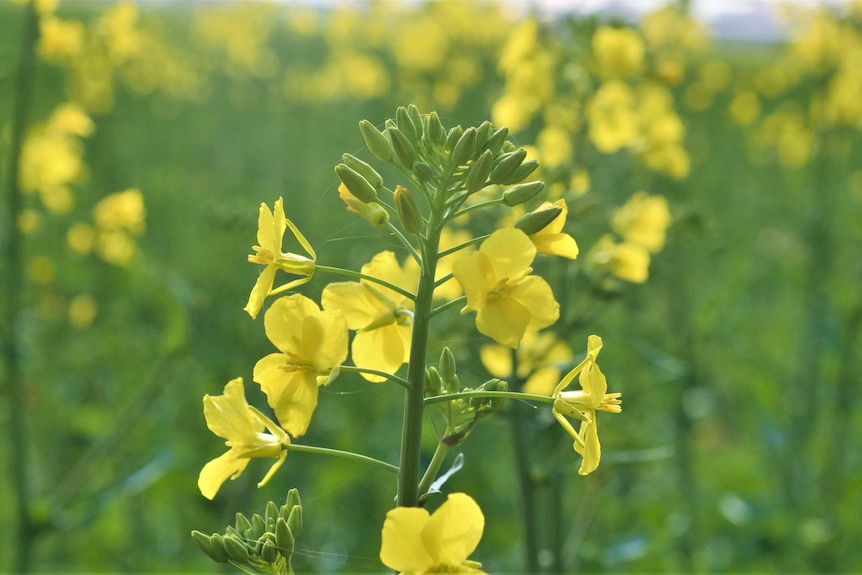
x,y
417,542
229,416
311,344
382,317
271,225
584,403
508,301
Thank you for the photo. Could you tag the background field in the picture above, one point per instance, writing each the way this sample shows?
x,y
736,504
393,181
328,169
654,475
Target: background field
x,y
738,359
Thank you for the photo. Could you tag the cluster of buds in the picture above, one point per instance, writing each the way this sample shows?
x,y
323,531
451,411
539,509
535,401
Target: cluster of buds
x,y
262,544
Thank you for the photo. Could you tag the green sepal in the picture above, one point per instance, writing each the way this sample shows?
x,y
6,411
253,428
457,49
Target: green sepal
x,y
464,147
483,132
433,382
495,140
423,172
404,152
405,124
293,499
521,172
453,136
537,221
269,551
242,523
376,141
436,131
358,186
294,520
258,526
477,177
447,364
521,193
236,549
506,165
408,211
364,170
205,543
271,512
418,122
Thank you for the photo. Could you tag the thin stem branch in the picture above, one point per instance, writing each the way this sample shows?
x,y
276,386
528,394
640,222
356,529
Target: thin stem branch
x,y
433,467
466,244
501,394
447,305
344,455
390,376
359,275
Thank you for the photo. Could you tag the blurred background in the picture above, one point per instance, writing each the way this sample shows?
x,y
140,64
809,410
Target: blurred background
x,y
138,140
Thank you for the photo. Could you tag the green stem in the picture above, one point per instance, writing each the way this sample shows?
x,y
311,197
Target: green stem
x,y
390,376
17,435
343,454
466,244
478,206
434,466
362,276
447,305
414,405
394,229
502,394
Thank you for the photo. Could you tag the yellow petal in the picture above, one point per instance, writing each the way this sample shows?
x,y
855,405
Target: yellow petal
x,y
226,466
291,394
592,450
562,245
402,548
504,320
511,252
382,348
454,530
355,301
228,415
475,273
535,294
497,360
283,322
261,289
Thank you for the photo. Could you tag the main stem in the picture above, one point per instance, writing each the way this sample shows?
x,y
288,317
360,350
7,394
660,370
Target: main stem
x,y
414,401
17,445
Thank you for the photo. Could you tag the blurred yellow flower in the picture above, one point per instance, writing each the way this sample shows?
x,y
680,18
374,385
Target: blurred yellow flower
x,y
538,358
121,211
618,52
583,404
82,310
496,281
555,146
613,123
382,318
271,225
80,238
59,39
628,261
551,240
229,416
643,219
416,542
311,344
745,107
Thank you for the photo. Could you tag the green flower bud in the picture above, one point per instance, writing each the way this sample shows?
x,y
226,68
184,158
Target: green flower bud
x,y
506,165
423,171
284,538
464,147
453,136
258,526
405,124
435,128
205,543
495,140
236,549
356,184
433,382
373,212
477,177
294,520
376,141
447,364
269,551
539,220
483,132
242,523
293,499
364,170
411,218
404,152
271,513
521,172
416,116
522,193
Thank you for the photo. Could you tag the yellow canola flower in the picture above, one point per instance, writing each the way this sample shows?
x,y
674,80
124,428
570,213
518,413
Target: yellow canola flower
x,y
416,542
551,240
381,317
538,359
311,343
618,52
271,225
583,404
121,211
59,39
613,121
497,283
628,261
229,416
643,219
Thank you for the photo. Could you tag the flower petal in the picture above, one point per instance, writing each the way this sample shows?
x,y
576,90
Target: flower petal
x,y
511,252
382,348
355,301
291,394
454,530
535,294
402,548
504,320
226,466
283,322
228,415
261,289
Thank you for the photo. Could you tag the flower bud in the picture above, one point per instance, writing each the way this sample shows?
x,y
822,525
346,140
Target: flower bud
x,y
293,499
423,171
433,382
405,124
483,132
416,116
258,526
537,221
373,212
356,184
284,538
404,152
271,513
453,136
236,549
495,140
269,550
411,218
521,172
294,520
464,147
477,177
242,523
435,128
364,170
447,364
219,555
506,165
376,141
522,193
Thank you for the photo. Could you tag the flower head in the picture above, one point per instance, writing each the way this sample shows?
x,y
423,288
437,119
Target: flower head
x,y
229,416
270,233
381,316
311,343
417,542
584,403
508,301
